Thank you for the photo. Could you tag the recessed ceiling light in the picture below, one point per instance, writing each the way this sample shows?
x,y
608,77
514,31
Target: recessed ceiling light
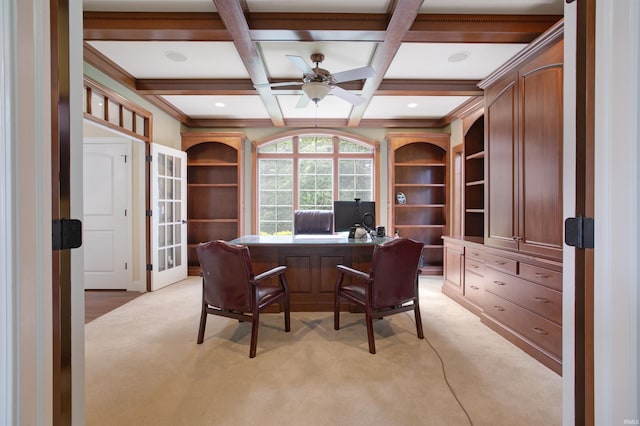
x,y
412,105
220,104
459,56
175,56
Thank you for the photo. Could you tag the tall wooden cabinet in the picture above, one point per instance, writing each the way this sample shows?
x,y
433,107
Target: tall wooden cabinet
x,y
523,122
418,168
214,189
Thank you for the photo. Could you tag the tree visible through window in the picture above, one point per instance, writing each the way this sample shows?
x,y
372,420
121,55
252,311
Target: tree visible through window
x,y
310,172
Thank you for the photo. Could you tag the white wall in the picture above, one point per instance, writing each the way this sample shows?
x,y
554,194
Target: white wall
x,y
617,184
25,197
569,209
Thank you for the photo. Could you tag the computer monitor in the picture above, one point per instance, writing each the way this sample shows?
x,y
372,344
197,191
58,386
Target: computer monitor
x,y
347,214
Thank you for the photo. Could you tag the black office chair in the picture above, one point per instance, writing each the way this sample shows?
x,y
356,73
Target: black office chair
x,y
312,222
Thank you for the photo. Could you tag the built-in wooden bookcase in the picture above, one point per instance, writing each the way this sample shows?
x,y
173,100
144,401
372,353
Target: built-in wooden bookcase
x,y
474,161
418,168
214,189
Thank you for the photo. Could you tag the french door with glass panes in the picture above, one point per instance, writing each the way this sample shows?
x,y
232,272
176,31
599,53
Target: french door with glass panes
x,y
168,213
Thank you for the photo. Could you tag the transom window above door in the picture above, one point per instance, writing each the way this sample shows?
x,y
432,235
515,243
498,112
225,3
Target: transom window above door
x,y
307,172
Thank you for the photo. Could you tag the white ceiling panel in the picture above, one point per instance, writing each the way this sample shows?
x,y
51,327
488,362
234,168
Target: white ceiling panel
x,y
338,56
397,107
149,5
151,59
530,7
233,107
329,107
325,6
450,60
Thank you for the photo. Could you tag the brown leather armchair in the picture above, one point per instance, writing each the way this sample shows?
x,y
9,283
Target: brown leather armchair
x,y
230,288
390,287
313,222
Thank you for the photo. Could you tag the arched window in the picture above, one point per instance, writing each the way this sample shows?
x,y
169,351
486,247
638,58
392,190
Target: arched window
x,y
310,171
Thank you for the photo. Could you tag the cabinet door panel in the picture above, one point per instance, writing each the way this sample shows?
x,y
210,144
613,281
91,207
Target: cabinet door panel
x,y
541,162
501,127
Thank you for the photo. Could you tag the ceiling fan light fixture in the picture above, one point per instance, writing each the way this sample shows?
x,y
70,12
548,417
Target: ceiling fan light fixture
x,y
316,91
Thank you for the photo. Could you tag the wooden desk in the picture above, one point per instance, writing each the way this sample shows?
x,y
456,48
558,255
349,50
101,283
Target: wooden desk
x,y
311,263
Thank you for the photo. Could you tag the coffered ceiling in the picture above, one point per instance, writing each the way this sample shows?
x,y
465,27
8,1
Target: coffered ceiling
x,y
201,60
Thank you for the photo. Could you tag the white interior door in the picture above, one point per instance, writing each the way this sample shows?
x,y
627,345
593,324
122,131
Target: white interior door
x,y
169,214
107,215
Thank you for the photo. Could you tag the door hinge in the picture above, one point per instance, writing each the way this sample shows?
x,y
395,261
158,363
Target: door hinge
x,y
148,213
66,234
148,158
579,232
149,267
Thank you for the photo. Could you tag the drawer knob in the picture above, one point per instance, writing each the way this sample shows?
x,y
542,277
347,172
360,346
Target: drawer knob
x,y
539,275
540,331
474,266
541,299
499,282
474,287
498,308
499,262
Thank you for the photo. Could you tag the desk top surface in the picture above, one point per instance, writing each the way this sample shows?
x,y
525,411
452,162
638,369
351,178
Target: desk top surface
x,y
308,239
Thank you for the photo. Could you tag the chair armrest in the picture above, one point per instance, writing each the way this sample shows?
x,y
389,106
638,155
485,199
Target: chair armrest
x,y
278,270
353,272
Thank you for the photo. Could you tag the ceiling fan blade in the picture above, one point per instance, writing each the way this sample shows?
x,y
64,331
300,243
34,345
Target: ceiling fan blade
x,y
302,64
354,74
284,83
303,102
346,95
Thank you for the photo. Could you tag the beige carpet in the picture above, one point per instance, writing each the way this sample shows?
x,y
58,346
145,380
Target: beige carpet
x,y
143,367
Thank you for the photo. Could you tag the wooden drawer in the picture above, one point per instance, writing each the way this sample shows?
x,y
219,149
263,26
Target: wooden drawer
x,y
474,288
474,266
474,253
537,330
536,298
546,277
501,263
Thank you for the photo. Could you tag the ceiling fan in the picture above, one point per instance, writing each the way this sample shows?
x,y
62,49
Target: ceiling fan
x,y
318,82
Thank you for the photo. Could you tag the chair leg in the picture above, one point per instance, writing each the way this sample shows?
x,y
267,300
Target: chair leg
x,y
369,321
336,311
287,313
203,324
416,310
254,335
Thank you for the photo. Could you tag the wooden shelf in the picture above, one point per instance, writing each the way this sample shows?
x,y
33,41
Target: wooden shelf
x,y
475,155
420,165
214,176
212,185
210,164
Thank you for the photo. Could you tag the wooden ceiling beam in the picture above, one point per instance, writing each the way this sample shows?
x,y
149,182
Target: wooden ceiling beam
x,y
199,26
154,26
232,15
404,14
436,28
245,87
